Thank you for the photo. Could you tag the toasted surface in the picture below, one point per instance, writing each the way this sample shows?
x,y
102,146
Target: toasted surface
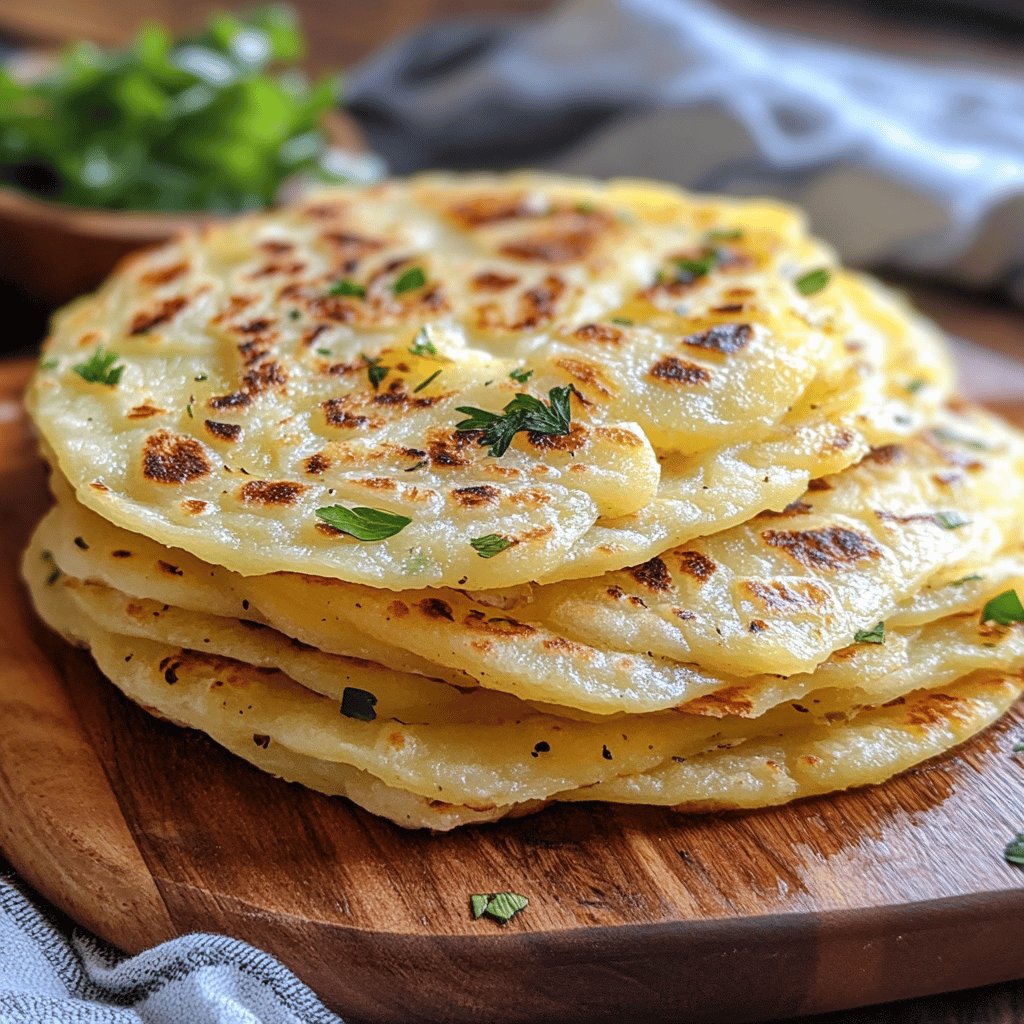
x,y
250,395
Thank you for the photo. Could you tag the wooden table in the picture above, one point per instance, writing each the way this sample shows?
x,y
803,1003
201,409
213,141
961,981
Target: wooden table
x,y
343,31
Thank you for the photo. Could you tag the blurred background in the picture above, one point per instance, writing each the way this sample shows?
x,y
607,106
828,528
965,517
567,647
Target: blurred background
x,y
899,126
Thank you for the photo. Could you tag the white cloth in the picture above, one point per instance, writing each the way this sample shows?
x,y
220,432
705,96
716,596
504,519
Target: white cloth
x,y
899,162
48,978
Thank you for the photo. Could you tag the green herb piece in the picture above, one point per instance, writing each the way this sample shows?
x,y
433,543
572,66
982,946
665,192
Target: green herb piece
x,y
524,412
586,207
622,321
1014,852
54,573
347,287
359,704
520,376
49,364
692,268
724,235
491,545
502,906
1018,747
422,345
363,523
1004,609
423,383
965,579
375,371
293,314
99,368
201,376
188,409
875,635
325,352
950,520
947,436
813,281
409,280
915,385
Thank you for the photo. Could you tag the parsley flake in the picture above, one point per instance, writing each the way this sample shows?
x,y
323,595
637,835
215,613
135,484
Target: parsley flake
x,y
491,545
363,523
49,364
201,377
724,235
813,281
1018,747
323,351
965,579
913,386
622,321
950,520
692,268
347,287
947,436
524,412
375,371
410,280
520,375
875,635
1014,852
423,383
422,345
99,368
358,704
1004,609
502,906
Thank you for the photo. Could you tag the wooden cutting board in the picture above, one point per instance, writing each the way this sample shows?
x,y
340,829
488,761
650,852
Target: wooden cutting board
x,y
141,831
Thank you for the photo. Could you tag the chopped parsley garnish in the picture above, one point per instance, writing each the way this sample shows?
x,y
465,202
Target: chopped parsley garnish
x,y
49,364
409,280
375,371
422,345
188,409
524,412
692,268
520,376
502,906
813,281
359,704
947,436
1018,747
875,635
1014,852
293,314
363,523
491,545
201,376
724,235
423,383
99,368
323,351
915,385
622,321
965,579
1004,609
347,287
950,520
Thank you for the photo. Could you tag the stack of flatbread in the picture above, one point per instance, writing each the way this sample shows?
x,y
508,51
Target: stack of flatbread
x,y
458,496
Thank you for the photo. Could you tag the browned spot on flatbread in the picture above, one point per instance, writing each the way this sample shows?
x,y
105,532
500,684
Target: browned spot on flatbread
x,y
271,492
653,575
317,463
831,547
552,247
937,709
496,625
585,374
603,334
164,275
887,455
193,506
223,431
731,700
435,608
169,568
724,338
341,413
476,496
696,564
679,371
172,459
783,596
492,281
145,320
144,412
794,508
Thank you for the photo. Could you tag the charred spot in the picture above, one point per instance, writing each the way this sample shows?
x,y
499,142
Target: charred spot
x,y
164,275
223,431
936,709
697,565
317,464
253,351
653,575
911,517
144,412
80,542
552,247
571,442
261,740
262,378
194,506
476,496
99,486
145,321
842,440
560,643
584,373
782,596
831,547
398,609
435,608
272,268
496,625
168,569
120,553
397,395
724,703
169,666
276,246
493,208
724,338
310,335
794,508
171,459
679,371
820,484
732,307
683,614
271,492
757,626
887,455
603,334
448,449
338,413
257,326
492,281
537,306
234,400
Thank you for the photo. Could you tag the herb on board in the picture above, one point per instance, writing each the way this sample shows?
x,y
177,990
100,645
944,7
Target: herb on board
x,y
502,906
363,523
1014,852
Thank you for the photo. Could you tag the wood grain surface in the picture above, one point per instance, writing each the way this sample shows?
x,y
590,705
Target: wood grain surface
x,y
140,830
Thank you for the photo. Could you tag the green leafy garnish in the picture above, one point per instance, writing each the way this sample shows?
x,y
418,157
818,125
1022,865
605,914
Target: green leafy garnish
x,y
363,523
875,635
1014,852
214,121
965,579
724,235
947,436
201,376
99,368
324,352
423,383
622,321
375,371
347,287
1004,609
813,281
502,906
188,409
491,545
422,345
524,412
359,704
586,207
692,268
915,385
409,280
520,376
950,520
49,364
1018,747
